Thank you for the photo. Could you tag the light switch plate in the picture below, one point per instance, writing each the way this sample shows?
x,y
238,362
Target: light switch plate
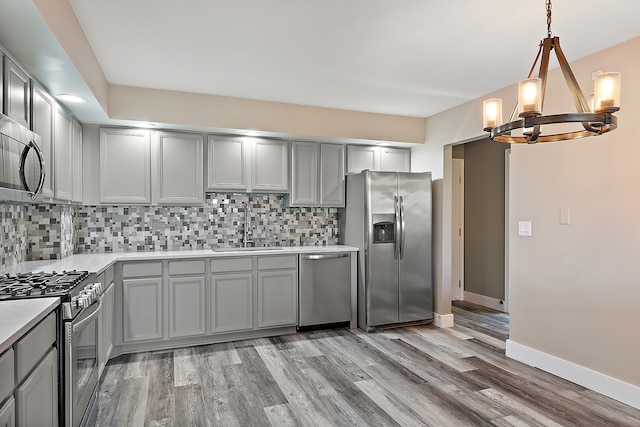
x,y
524,228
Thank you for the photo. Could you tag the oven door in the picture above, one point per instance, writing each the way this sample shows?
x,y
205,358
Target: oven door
x,y
81,360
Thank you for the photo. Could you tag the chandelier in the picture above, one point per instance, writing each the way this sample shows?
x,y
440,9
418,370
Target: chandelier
x,y
594,119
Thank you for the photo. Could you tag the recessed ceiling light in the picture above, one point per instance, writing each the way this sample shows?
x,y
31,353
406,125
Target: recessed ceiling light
x,y
144,125
252,133
71,98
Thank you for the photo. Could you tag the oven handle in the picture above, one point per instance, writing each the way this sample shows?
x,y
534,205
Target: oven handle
x,y
89,318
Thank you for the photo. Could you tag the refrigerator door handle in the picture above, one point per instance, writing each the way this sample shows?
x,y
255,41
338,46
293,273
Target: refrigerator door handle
x,y
396,240
402,228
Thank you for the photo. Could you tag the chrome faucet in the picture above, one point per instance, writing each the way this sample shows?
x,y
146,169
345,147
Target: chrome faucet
x,y
248,231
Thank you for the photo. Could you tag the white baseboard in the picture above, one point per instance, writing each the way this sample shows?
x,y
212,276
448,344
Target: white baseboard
x,y
486,301
596,381
443,320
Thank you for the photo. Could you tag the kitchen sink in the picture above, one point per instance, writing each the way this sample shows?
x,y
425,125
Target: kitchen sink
x,y
249,249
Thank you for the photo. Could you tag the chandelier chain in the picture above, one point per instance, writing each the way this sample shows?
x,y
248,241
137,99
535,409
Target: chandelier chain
x,y
549,18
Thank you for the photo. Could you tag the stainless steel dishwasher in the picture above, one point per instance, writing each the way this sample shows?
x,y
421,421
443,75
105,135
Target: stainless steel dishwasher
x,y
325,290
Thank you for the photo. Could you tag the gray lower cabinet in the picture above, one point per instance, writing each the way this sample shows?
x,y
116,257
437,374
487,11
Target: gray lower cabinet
x,y
231,302
186,306
8,413
37,396
106,320
29,378
142,309
188,302
277,291
277,298
231,294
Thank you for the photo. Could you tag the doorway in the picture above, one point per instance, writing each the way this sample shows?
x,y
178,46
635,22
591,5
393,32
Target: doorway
x,y
478,231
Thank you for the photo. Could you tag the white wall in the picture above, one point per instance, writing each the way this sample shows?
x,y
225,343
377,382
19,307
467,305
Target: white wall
x,y
575,289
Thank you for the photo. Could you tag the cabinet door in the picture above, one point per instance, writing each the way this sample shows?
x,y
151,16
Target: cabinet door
x,y
304,173
76,143
142,309
8,413
361,158
186,306
227,164
43,126
17,100
270,166
277,298
180,168
125,162
332,175
108,301
63,154
231,302
37,397
395,159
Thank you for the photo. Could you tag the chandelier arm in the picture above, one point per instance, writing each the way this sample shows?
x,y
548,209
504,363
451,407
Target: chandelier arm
x,y
535,62
579,100
547,45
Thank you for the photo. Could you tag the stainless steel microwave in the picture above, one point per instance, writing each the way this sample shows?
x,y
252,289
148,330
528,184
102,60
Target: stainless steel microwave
x,y
22,166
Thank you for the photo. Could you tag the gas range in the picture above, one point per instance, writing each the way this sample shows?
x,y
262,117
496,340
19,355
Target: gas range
x,y
76,289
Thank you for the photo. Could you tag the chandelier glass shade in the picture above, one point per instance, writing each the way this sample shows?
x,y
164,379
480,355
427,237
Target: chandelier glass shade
x,y
532,126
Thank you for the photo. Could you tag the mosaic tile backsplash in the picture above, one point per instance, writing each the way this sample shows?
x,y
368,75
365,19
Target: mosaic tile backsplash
x,y
31,232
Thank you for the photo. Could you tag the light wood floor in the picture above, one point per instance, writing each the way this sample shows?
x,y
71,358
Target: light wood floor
x,y
413,376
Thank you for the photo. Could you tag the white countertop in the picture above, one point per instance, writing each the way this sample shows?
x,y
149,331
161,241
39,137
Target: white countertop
x,y
17,317
97,263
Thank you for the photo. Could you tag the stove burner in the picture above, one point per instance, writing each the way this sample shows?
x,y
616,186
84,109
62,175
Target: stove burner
x,y
25,285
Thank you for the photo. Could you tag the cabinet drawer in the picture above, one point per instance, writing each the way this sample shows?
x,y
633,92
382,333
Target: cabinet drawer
x,y
231,264
142,269
6,374
186,267
277,262
30,349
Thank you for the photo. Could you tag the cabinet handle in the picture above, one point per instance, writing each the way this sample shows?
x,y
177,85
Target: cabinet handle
x,y
325,256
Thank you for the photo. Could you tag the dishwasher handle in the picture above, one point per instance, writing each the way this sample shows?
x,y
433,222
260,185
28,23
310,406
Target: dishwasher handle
x,y
324,256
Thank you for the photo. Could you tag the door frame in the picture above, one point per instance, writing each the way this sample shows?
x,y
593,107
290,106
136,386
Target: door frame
x,y
457,233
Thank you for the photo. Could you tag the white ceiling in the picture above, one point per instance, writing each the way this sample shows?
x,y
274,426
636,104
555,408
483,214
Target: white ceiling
x,y
411,57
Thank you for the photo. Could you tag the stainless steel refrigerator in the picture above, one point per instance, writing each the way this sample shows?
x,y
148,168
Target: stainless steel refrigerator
x,y
388,217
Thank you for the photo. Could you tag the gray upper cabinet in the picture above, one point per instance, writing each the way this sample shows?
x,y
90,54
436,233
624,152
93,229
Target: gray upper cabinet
x,y
270,166
43,107
76,144
247,164
63,155
361,158
125,166
180,163
17,93
317,174
395,159
331,175
305,157
385,159
227,160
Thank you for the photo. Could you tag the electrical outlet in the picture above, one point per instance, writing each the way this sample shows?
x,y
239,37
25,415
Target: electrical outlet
x,y
524,228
